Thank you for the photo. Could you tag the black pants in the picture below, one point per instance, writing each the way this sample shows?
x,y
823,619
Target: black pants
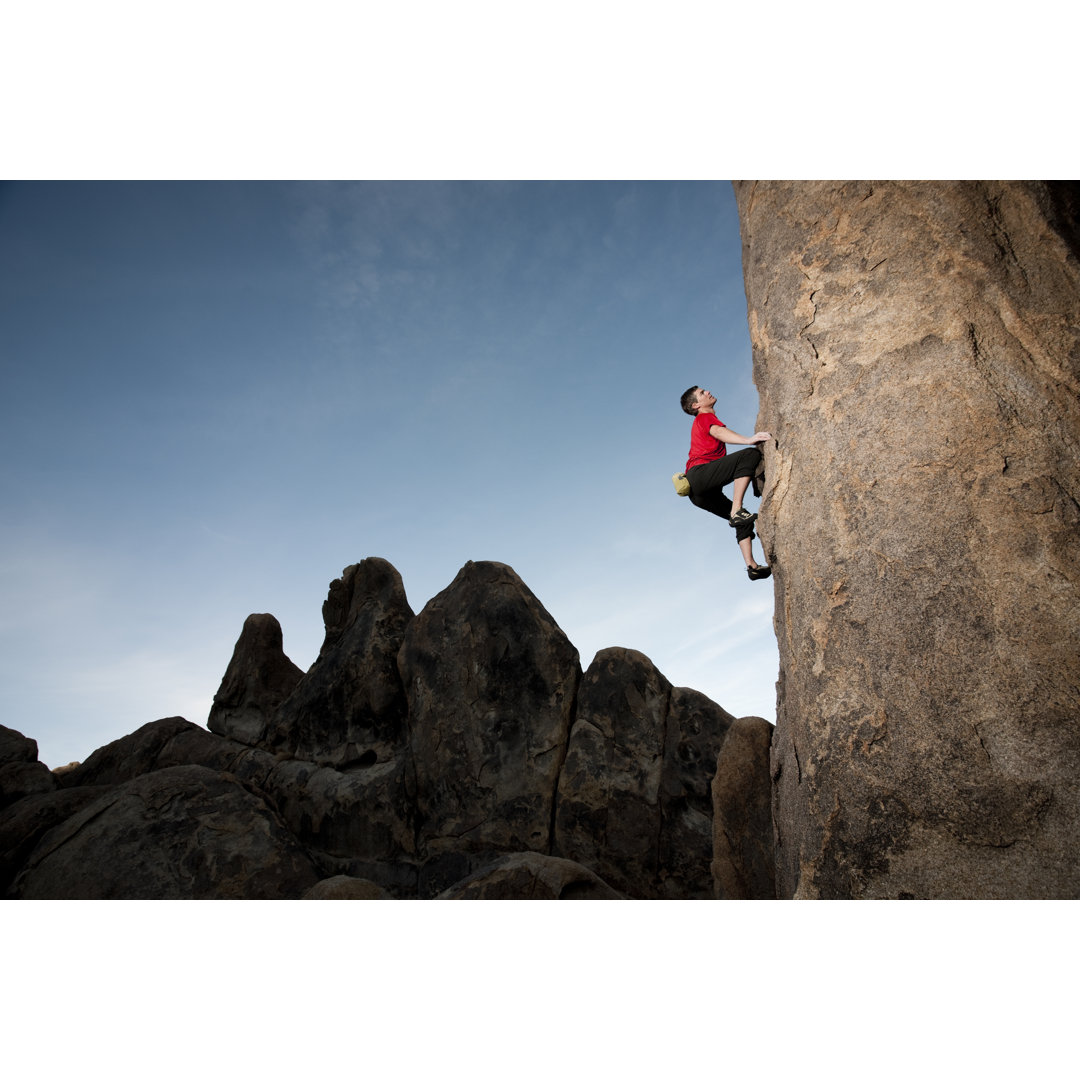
x,y
708,481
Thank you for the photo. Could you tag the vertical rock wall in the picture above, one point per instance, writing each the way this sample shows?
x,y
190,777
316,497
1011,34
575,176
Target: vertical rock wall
x,y
917,352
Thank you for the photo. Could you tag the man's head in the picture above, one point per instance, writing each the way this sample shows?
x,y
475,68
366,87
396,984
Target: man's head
x,y
695,398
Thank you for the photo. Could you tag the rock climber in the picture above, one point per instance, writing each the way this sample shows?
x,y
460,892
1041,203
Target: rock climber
x,y
710,468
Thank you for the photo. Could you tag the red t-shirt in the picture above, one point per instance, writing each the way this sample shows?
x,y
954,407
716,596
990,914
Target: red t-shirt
x,y
703,447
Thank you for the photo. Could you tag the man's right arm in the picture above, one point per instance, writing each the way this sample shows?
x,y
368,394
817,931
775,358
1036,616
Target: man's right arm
x,y
726,435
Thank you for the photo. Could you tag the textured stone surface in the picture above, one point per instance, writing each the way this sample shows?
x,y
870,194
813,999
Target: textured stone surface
x,y
182,833
531,876
917,352
365,813
15,746
350,707
18,779
490,680
633,801
743,853
21,774
413,779
258,679
343,887
162,744
25,822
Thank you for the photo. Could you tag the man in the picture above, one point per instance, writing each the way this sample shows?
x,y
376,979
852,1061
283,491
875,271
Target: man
x,y
710,468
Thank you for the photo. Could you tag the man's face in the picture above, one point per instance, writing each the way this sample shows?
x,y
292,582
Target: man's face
x,y
704,400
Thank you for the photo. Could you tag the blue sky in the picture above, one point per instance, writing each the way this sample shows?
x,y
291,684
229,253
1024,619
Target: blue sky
x,y
218,395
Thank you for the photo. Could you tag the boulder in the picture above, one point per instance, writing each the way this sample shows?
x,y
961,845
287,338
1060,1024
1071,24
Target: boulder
x,y
364,814
258,679
21,774
633,799
350,708
695,731
343,887
162,744
490,681
531,876
181,833
15,746
917,354
742,865
18,779
25,822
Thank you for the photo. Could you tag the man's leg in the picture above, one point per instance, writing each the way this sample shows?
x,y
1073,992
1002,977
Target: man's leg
x,y
744,534
738,490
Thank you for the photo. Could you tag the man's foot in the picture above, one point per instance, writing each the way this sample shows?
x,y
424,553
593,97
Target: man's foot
x,y
741,516
756,573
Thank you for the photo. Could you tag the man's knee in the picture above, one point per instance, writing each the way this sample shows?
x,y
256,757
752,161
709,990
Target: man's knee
x,y
748,461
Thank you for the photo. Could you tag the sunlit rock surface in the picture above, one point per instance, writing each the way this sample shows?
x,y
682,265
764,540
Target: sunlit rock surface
x,y
917,353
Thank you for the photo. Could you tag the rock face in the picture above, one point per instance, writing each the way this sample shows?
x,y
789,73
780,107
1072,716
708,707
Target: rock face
x,y
917,352
529,876
742,865
633,798
258,679
342,887
21,773
350,707
456,753
488,728
181,833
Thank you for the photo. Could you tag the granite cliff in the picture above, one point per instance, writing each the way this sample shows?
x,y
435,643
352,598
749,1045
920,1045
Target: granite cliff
x,y
459,753
917,354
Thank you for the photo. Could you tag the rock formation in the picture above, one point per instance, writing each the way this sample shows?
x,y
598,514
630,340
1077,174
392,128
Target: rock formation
x,y
917,353
21,773
258,679
491,682
633,797
458,753
180,833
742,865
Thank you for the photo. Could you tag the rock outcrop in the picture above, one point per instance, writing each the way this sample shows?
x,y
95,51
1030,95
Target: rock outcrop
x,y
258,679
491,682
343,887
21,774
454,753
180,833
350,708
917,353
742,863
633,798
531,876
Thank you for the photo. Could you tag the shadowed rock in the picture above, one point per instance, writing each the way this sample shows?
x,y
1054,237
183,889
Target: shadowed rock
x,y
25,822
162,744
258,679
490,680
917,354
342,887
21,774
531,876
742,865
696,729
414,779
182,833
350,707
364,814
633,800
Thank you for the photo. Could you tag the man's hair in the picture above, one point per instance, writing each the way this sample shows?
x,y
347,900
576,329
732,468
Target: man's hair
x,y
688,400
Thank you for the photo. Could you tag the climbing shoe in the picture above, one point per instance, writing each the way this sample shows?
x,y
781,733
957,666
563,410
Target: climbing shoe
x,y
741,516
756,573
